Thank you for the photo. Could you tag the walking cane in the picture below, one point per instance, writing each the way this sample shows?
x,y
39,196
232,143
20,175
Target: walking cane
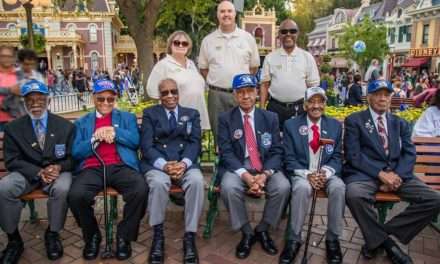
x,y
322,143
108,247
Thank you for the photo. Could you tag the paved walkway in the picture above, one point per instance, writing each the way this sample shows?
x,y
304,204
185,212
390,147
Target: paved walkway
x,y
425,248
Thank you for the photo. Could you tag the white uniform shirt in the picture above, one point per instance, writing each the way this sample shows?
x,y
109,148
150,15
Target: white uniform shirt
x,y
428,124
190,84
226,55
290,74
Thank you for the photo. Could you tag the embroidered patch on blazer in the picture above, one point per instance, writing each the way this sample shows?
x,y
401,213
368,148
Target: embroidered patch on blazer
x,y
329,148
266,140
238,133
188,127
303,130
60,150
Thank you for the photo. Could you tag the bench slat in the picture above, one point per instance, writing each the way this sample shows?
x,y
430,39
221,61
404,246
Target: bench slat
x,y
39,194
428,149
426,140
428,159
427,169
430,180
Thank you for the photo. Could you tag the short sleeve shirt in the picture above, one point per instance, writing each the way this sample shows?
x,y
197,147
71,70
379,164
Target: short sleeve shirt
x,y
290,74
226,55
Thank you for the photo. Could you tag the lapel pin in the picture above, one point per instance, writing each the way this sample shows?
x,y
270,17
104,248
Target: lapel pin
x,y
116,125
324,132
52,135
34,144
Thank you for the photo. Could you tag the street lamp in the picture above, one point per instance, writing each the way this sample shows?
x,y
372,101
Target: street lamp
x,y
28,5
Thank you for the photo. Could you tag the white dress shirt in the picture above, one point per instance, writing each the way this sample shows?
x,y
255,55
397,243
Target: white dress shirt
x,y
375,117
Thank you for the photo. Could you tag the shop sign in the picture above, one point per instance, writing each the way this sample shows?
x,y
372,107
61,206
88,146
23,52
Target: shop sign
x,y
425,52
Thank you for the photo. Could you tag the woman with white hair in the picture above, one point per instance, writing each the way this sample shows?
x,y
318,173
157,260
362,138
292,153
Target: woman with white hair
x,y
177,66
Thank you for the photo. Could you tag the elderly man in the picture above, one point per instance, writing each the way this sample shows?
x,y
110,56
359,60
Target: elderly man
x,y
224,53
301,145
379,155
171,145
118,136
250,162
37,154
287,73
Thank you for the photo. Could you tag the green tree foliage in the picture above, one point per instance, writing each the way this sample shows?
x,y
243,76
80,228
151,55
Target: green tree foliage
x,y
39,43
374,36
195,17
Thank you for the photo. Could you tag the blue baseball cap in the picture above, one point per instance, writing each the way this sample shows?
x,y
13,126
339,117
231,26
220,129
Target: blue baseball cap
x,y
103,85
376,85
244,80
33,86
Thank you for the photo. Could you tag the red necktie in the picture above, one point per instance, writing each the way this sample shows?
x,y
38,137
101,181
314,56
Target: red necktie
x,y
251,145
314,144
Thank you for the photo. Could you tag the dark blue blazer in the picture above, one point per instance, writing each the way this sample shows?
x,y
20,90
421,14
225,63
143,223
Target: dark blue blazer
x,y
127,137
157,141
232,145
296,144
364,153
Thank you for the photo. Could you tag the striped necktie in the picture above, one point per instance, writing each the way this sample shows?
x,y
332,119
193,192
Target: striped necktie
x,y
251,145
382,133
40,133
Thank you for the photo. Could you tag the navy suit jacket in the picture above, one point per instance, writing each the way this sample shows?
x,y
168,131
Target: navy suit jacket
x,y
157,141
364,153
296,144
126,138
231,141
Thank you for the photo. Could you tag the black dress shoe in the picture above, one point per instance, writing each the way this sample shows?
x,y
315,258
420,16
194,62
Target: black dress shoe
x,y
289,252
334,254
267,243
245,246
91,249
395,254
370,254
157,254
123,249
54,248
12,252
190,255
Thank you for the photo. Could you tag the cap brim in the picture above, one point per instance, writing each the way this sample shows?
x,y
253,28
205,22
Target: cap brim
x,y
103,90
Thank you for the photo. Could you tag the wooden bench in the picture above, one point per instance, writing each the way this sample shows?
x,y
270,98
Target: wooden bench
x,y
396,102
427,162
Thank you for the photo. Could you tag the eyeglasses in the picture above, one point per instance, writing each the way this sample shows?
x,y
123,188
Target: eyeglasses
x,y
291,31
167,92
110,99
177,43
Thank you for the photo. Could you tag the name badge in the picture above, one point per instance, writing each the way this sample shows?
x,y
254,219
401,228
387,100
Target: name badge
x,y
60,150
188,127
266,140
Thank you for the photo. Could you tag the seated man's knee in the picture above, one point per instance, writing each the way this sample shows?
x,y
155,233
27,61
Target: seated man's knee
x,y
196,179
158,181
338,188
61,188
354,195
302,187
12,185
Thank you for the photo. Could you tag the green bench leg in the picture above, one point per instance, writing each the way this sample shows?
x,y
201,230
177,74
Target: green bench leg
x,y
212,214
33,215
436,223
382,209
113,214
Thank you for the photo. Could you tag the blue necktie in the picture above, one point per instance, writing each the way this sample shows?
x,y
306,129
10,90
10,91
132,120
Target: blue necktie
x,y
39,132
172,121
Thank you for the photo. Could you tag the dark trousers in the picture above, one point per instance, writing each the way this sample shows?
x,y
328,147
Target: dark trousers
x,y
128,182
285,111
424,204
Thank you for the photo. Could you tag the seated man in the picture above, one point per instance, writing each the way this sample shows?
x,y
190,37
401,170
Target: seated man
x,y
171,145
37,155
301,145
379,155
250,162
118,134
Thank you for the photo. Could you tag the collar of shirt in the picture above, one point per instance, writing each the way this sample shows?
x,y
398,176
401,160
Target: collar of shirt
x,y
292,54
375,116
176,112
43,121
222,34
170,59
250,114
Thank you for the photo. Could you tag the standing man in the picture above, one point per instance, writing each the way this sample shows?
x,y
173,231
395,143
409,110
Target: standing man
x,y
301,145
37,155
171,145
10,106
250,163
379,155
118,134
224,53
287,73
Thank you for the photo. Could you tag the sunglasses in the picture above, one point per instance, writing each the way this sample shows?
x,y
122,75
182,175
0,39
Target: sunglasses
x,y
291,31
178,43
166,93
110,99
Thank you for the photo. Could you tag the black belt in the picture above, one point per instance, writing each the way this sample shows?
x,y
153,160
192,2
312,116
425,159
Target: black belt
x,y
287,105
215,88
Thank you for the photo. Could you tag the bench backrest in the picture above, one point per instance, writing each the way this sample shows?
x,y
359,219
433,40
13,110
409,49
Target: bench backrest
x,y
427,166
396,102
2,161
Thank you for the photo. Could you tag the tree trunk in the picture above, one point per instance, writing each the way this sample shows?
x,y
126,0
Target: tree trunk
x,y
141,21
